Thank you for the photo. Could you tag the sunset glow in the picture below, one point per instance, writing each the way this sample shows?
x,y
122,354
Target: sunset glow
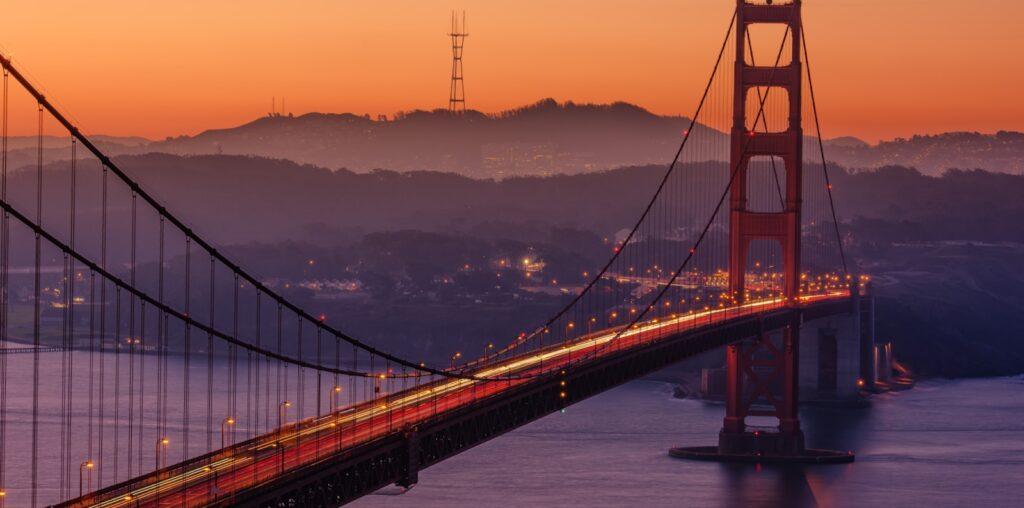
x,y
166,69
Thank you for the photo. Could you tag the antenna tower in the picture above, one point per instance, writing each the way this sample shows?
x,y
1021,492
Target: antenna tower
x,y
457,93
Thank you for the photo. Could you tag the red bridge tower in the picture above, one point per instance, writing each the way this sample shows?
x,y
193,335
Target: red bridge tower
x,y
783,227
762,376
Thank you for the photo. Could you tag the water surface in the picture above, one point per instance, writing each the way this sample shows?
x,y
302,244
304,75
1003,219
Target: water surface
x,y
945,443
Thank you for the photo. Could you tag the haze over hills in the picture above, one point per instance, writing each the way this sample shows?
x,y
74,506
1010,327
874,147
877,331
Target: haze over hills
x,y
549,137
1002,152
543,138
944,251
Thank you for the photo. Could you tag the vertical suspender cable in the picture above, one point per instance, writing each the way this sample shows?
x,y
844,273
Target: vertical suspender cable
x,y
64,397
62,449
117,383
187,385
90,457
266,382
279,400
70,305
319,345
161,346
336,388
4,291
253,417
132,340
36,316
251,375
101,399
209,362
319,380
233,364
142,380
266,392
300,385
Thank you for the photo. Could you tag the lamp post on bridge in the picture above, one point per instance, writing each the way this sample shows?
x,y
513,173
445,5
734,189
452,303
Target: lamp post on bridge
x,y
282,412
160,445
334,397
224,425
85,466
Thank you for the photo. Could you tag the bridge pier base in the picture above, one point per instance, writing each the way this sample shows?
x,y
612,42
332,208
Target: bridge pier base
x,y
761,370
761,451
761,443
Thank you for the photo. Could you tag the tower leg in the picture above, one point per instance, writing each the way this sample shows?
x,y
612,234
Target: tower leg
x,y
784,444
745,384
734,421
789,419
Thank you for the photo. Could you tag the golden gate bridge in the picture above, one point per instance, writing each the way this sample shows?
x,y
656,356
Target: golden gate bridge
x,y
186,380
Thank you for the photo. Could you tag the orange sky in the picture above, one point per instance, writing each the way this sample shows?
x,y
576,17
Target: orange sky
x,y
883,68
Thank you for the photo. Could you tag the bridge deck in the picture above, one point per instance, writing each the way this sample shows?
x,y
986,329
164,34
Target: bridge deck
x,y
268,466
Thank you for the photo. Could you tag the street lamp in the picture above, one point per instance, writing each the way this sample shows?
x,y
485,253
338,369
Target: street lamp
x,y
85,466
282,410
487,350
228,422
334,397
160,443
455,356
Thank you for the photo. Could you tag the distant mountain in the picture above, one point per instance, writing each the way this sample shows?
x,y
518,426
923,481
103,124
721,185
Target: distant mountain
x,y
845,142
543,138
546,137
549,137
1002,152
23,151
56,142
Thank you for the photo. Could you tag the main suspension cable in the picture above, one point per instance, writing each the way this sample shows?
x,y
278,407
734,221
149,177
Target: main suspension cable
x,y
707,227
107,163
647,210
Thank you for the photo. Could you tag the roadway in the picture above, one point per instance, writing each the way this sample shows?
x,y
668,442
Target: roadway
x,y
216,477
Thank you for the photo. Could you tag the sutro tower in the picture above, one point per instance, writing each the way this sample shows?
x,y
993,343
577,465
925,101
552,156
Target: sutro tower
x,y
457,95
